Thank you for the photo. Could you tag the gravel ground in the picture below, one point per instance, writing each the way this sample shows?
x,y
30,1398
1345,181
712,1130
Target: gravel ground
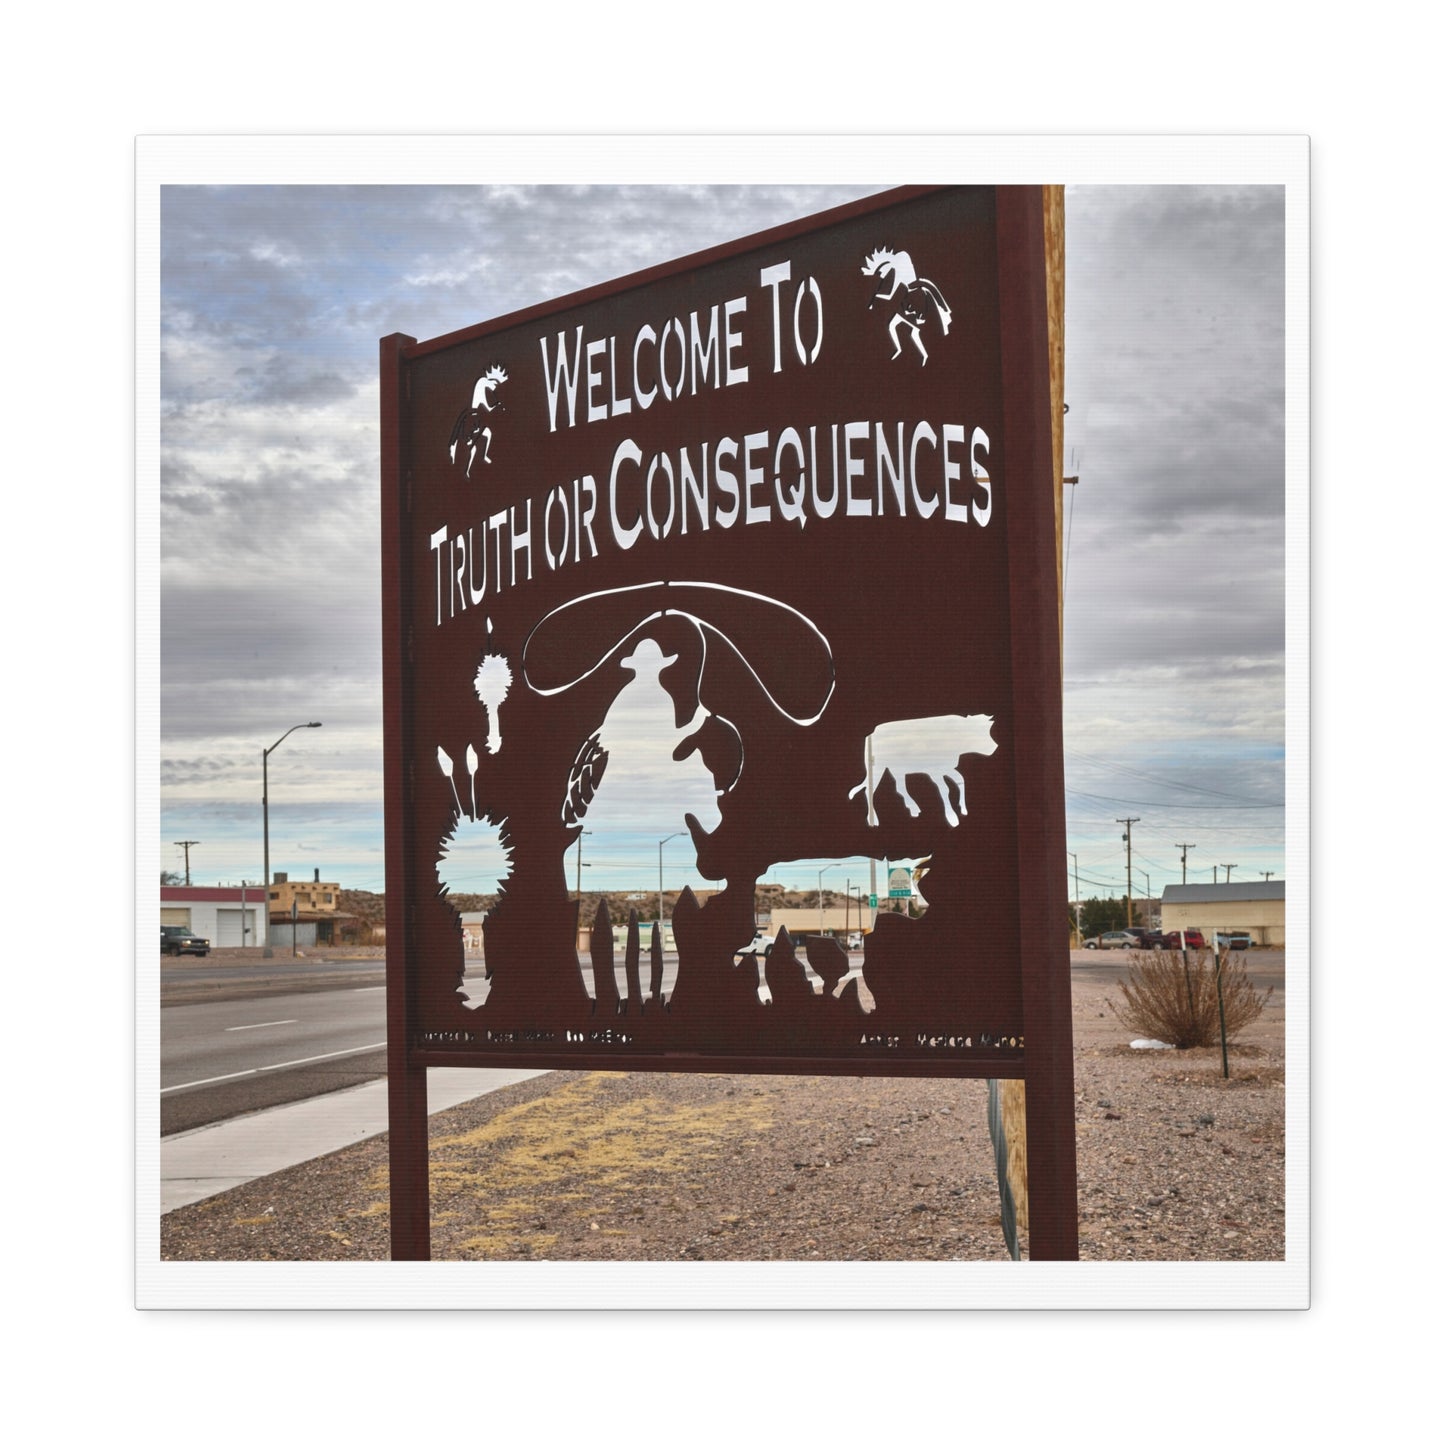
x,y
1175,1163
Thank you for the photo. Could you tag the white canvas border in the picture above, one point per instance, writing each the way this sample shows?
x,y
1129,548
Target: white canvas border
x,y
598,159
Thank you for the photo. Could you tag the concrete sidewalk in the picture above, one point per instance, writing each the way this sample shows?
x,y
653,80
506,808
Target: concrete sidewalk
x,y
206,1161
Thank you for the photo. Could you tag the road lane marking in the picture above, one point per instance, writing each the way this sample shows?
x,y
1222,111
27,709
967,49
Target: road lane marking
x,y
275,1023
218,1079
318,1058
268,1068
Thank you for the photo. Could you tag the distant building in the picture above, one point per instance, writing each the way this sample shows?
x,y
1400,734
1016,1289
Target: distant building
x,y
318,919
313,897
472,932
1253,908
833,919
229,917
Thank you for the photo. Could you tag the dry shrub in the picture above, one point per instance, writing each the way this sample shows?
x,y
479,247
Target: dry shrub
x,y
1172,997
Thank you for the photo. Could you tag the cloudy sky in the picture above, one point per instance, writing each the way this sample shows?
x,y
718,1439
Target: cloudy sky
x,y
272,300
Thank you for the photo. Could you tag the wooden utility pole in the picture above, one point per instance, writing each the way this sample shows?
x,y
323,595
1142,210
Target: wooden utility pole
x,y
1128,869
188,844
1011,1091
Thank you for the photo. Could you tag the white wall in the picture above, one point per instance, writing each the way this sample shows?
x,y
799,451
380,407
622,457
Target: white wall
x,y
220,922
229,923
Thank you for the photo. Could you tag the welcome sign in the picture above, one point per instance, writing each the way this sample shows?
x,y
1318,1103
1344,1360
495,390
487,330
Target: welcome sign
x,y
759,546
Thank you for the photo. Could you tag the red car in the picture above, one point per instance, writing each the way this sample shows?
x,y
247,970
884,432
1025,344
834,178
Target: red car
x,y
1193,938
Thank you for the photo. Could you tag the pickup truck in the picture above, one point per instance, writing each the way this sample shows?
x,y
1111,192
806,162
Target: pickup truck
x,y
760,947
1193,938
1234,940
178,940
1157,942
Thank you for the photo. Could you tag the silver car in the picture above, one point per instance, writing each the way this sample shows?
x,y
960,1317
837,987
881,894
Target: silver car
x,y
1117,939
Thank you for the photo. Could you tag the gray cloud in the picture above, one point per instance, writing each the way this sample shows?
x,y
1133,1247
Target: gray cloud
x,y
1175,379
273,300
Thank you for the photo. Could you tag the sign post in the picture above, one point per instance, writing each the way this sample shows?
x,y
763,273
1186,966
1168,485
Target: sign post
x,y
702,497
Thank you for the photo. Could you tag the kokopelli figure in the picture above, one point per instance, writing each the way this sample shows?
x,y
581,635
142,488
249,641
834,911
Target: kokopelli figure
x,y
914,298
471,429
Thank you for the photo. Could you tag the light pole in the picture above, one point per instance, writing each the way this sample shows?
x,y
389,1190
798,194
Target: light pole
x,y
822,871
585,833
244,929
1078,917
667,839
266,833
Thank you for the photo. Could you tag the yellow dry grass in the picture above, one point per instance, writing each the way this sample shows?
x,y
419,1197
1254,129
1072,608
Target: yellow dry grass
x,y
370,1211
569,1147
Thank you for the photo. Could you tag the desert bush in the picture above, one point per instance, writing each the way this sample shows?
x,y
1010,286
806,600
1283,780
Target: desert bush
x,y
1172,997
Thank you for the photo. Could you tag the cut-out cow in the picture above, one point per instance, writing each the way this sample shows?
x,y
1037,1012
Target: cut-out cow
x,y
931,747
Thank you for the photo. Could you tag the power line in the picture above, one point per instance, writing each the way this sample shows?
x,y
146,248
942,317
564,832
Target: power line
x,y
1170,807
1155,777
1236,830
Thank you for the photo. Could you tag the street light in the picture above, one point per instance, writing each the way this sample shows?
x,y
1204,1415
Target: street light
x,y
822,871
266,832
667,839
585,833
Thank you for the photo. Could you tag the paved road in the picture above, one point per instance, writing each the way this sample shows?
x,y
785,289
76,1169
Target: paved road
x,y
1265,966
263,1035
231,1057
192,981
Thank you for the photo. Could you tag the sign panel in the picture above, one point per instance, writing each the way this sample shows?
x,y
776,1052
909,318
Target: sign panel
x,y
900,883
667,561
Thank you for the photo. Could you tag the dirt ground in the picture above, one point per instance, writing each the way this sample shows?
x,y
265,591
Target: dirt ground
x,y
1175,1162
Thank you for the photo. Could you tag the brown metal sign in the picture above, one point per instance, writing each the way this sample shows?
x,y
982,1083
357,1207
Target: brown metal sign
x,y
755,551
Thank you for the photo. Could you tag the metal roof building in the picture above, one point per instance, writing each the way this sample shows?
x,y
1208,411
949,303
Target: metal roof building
x,y
1253,908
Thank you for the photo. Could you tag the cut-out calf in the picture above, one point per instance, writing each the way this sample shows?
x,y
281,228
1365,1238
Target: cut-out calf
x,y
931,747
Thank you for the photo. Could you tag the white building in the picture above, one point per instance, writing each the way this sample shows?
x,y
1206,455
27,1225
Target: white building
x,y
229,917
1253,908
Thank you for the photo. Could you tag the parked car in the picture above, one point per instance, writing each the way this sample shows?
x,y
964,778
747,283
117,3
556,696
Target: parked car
x,y
1153,940
1138,935
1234,940
178,940
1193,938
1115,939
